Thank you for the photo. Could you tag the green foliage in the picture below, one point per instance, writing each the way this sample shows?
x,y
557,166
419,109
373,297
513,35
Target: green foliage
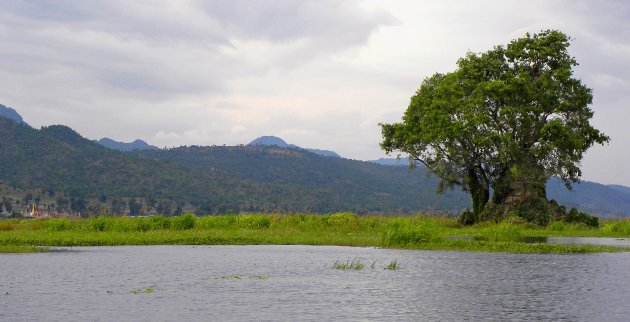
x,y
405,232
159,222
503,231
345,219
617,228
505,120
183,222
575,216
147,290
468,218
213,222
253,221
56,224
355,264
393,265
87,177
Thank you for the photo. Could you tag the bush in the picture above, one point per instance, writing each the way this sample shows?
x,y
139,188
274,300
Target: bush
x,y
184,222
468,218
577,217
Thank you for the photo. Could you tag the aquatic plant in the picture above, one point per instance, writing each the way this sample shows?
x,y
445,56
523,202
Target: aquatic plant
x,y
393,265
147,290
348,264
503,231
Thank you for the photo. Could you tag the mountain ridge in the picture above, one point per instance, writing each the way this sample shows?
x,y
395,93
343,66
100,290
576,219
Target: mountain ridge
x,y
11,114
270,140
137,144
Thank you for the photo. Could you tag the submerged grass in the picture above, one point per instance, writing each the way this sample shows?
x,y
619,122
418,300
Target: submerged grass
x,y
344,229
354,264
393,265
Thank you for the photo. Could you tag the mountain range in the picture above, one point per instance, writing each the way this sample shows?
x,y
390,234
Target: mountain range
x,y
127,147
60,168
276,141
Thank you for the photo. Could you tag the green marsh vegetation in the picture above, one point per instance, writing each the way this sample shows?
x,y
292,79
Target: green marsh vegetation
x,y
342,229
354,264
147,290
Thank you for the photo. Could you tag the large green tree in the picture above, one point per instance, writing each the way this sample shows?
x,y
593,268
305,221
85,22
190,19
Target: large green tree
x,y
504,121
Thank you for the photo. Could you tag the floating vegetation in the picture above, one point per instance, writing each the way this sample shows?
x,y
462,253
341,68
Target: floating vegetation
x,y
348,264
239,277
393,265
147,290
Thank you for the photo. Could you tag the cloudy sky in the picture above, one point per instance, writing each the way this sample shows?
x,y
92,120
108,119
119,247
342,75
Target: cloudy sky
x,y
320,74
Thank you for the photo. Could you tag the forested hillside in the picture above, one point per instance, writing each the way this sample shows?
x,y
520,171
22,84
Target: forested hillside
x,y
56,159
56,168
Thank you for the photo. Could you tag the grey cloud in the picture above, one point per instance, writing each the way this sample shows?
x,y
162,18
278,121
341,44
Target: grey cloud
x,y
160,49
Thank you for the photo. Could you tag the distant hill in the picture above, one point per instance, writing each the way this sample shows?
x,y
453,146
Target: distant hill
x,y
11,114
318,183
221,179
56,159
402,162
621,188
127,147
276,141
591,197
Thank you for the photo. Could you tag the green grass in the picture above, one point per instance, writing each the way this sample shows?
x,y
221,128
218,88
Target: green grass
x,y
147,290
354,264
393,265
23,249
343,229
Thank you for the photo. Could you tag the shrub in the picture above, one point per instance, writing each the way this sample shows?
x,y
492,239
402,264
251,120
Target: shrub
x,y
575,216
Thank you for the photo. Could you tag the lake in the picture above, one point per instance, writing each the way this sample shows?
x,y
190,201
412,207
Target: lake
x,y
297,283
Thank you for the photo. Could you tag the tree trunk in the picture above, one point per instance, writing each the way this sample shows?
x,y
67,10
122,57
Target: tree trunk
x,y
479,192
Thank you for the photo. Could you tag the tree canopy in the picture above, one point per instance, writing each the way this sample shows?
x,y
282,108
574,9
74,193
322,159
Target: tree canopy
x,y
504,121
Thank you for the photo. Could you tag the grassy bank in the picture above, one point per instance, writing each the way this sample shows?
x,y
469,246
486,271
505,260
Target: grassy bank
x,y
335,229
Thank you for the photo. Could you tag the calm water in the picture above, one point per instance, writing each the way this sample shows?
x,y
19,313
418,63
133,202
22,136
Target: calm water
x,y
296,283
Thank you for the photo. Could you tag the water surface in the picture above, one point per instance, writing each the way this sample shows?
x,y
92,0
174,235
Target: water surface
x,y
297,283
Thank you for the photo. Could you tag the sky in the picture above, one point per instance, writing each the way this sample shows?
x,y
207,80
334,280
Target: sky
x,y
319,74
